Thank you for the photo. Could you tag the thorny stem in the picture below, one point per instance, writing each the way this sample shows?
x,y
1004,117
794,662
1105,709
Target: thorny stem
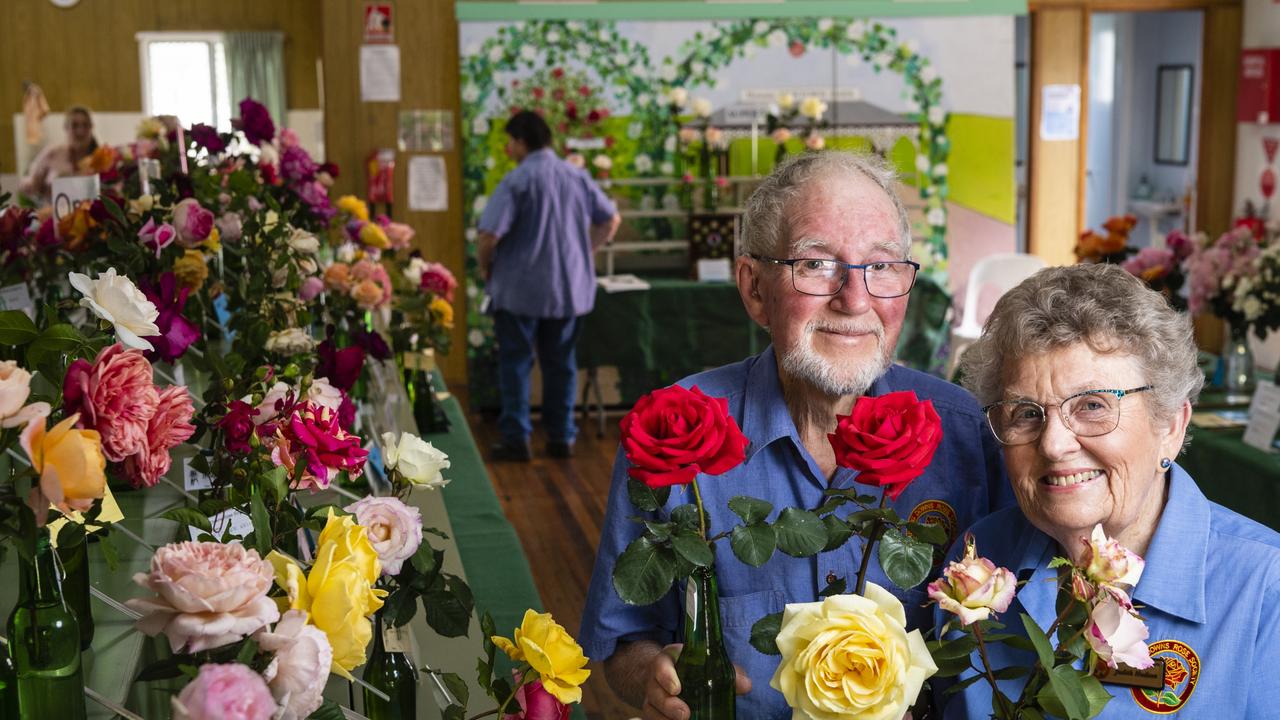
x,y
991,679
876,528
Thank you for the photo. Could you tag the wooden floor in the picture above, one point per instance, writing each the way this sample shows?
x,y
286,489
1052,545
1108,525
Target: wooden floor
x,y
556,507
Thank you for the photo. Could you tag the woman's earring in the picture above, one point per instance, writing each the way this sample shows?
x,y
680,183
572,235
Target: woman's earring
x,y
1165,463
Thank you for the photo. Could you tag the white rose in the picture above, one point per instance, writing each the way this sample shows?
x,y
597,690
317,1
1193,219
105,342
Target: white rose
x,y
778,38
621,60
928,74
667,73
480,202
300,666
813,107
346,253
553,36
666,168
643,163
325,395
470,93
490,163
635,130
760,27
602,162
114,298
643,99
882,60
290,342
584,50
573,25
529,52
937,217
940,170
417,460
495,53
856,29
476,336
413,272
669,144
824,25
267,409
786,101
479,126
697,67
15,388
702,107
304,242
937,115
922,162
678,96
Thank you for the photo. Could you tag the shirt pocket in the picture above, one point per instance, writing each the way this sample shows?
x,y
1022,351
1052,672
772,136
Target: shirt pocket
x,y
737,615
742,611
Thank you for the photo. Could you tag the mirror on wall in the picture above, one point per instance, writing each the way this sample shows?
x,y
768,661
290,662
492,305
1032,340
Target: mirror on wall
x,y
1173,114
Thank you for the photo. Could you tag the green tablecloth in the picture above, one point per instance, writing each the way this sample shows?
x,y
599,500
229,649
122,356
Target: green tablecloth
x,y
678,327
1236,475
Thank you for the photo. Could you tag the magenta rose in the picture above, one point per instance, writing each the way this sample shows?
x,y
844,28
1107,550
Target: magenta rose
x,y
225,692
169,427
255,122
296,164
437,279
342,367
313,436
889,440
207,137
535,703
177,333
673,434
193,222
157,237
237,426
115,396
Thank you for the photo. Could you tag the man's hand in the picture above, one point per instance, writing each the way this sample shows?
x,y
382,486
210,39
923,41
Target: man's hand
x,y
662,687
486,244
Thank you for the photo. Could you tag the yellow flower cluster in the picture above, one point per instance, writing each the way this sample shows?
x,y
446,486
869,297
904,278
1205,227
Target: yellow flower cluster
x,y
551,652
373,235
191,269
441,312
338,594
353,206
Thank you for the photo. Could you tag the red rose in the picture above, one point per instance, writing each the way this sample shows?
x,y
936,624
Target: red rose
x,y
797,48
557,73
673,434
889,440
538,92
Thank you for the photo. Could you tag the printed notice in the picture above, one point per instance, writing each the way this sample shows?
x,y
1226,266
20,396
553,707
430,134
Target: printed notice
x,y
380,73
17,297
428,186
1264,416
1060,112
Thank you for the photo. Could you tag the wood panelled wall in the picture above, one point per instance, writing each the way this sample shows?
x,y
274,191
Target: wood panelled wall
x,y
427,33
88,54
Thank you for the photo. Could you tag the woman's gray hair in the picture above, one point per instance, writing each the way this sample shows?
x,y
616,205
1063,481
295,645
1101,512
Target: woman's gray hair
x,y
763,231
1102,306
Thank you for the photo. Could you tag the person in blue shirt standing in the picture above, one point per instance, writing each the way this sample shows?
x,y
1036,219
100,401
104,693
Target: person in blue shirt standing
x,y
536,241
824,269
1089,378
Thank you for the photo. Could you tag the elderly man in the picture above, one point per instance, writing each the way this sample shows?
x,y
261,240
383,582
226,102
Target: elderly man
x,y
824,269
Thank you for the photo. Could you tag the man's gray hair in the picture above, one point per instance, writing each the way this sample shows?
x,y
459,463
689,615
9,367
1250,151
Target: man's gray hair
x,y
764,221
1102,306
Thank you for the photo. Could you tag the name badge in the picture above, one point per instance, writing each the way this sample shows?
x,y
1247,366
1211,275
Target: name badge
x,y
1152,677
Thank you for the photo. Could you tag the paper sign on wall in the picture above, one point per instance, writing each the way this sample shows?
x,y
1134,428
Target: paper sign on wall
x,y
428,186
1060,112
379,73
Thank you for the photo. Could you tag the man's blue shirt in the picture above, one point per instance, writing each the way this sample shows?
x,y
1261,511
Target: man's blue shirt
x,y
542,213
1210,595
965,481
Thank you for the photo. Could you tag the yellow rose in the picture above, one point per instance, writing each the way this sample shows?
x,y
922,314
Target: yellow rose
x,y
70,464
354,206
441,311
213,243
191,269
373,235
551,652
851,657
338,593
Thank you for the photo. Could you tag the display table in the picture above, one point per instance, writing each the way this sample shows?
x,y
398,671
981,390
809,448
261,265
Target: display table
x,y
482,548
1236,475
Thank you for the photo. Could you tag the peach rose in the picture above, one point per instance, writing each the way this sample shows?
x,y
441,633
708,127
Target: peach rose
x,y
114,396
338,277
70,464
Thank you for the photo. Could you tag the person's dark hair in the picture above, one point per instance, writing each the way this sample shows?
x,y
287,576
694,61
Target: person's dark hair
x,y
88,115
529,127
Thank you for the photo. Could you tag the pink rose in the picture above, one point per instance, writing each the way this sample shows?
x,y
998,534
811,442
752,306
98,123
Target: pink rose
x,y
537,704
1116,633
973,587
1110,562
278,401
193,222
313,435
815,142
437,279
300,667
114,396
399,234
168,428
395,529
157,237
225,692
15,387
230,227
322,393
310,288
208,595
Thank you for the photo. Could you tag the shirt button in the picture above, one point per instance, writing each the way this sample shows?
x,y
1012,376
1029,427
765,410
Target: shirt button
x,y
831,577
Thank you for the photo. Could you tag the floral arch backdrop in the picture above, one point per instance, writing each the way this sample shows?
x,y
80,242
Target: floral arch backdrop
x,y
624,68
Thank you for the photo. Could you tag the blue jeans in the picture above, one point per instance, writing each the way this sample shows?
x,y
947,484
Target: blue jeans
x,y
554,340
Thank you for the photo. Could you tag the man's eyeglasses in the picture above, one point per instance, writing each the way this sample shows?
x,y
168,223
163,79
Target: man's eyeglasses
x,y
1087,414
813,276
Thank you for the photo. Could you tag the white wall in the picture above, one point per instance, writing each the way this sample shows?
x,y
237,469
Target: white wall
x,y
973,57
1161,38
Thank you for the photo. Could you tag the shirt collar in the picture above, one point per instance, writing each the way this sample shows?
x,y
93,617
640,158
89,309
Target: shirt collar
x,y
1174,577
765,417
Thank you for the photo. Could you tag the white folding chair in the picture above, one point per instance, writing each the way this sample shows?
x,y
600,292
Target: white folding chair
x,y
1002,271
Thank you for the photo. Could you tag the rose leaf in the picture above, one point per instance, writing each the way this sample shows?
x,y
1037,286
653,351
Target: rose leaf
x,y
800,533
646,498
750,509
643,573
1064,696
686,517
753,544
932,534
1044,650
693,548
764,634
838,532
905,560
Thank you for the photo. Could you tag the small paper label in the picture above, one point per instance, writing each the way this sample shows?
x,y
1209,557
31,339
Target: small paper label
x,y
396,639
1152,677
17,297
1262,429
1266,398
233,523
192,479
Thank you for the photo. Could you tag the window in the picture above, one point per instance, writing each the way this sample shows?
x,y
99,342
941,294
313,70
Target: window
x,y
185,74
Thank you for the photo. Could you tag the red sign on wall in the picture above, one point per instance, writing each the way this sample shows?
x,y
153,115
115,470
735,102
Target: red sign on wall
x,y
377,23
1259,94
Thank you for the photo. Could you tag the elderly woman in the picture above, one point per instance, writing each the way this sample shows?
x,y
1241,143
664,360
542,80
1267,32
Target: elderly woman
x,y
62,160
1087,378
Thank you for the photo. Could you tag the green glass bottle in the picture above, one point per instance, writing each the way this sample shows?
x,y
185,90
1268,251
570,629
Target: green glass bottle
x,y
391,672
706,674
427,412
8,685
44,640
75,586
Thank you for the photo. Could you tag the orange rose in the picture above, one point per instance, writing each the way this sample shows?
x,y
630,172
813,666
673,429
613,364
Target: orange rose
x,y
368,294
338,277
1114,242
1090,245
103,159
70,463
75,225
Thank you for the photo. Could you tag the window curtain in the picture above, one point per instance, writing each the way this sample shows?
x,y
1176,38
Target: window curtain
x,y
255,69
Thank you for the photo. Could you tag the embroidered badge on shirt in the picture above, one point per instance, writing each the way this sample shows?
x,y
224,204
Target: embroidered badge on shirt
x,y
937,512
1181,671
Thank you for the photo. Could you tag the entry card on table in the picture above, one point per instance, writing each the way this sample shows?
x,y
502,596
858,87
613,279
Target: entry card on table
x,y
1264,416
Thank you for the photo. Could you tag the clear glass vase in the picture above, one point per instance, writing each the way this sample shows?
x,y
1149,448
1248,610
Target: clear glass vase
x,y
1239,375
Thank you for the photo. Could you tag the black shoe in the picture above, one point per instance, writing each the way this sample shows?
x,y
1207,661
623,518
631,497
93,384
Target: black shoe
x,y
557,449
511,452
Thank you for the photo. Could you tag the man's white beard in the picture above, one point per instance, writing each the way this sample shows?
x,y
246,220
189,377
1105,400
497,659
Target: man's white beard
x,y
804,363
